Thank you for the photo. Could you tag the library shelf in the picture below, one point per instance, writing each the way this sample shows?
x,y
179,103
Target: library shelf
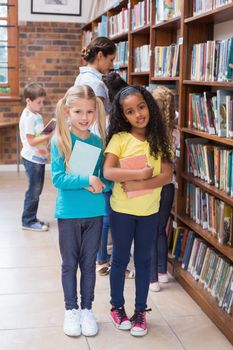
x,y
224,249
139,73
205,135
204,299
218,15
208,188
173,23
165,78
141,30
119,37
209,83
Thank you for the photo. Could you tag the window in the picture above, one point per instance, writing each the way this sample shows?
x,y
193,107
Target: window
x,y
8,48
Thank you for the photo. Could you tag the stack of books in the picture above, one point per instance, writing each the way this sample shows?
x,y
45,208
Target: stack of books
x,y
166,10
166,61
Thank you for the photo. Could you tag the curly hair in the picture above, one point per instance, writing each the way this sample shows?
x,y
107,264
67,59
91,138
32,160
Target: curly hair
x,y
156,129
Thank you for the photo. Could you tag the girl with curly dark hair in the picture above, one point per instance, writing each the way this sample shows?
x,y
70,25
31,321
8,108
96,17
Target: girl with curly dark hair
x,y
137,135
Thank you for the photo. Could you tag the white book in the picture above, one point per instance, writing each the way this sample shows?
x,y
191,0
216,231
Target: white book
x,y
83,158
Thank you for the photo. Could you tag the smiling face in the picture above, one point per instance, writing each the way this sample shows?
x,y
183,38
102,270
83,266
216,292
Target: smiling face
x,y
82,115
136,112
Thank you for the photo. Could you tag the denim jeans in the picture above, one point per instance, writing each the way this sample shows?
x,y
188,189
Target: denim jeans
x,y
35,173
103,253
159,251
125,228
79,241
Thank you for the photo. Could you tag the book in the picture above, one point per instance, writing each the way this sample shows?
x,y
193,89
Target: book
x,y
135,162
82,152
49,127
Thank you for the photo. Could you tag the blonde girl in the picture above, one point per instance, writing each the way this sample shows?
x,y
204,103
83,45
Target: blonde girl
x,y
80,205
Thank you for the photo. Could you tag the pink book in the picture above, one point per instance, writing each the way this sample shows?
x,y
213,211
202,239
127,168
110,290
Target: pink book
x,y
135,162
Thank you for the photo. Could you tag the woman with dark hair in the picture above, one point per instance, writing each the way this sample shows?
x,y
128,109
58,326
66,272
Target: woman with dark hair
x,y
99,55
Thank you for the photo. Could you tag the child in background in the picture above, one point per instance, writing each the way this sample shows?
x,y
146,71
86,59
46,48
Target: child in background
x,y
136,128
99,56
159,254
80,205
34,154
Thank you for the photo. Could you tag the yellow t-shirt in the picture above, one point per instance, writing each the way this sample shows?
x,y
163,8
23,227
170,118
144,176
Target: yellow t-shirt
x,y
125,145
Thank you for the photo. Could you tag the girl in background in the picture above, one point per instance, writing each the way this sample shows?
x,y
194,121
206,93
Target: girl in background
x,y
159,254
80,205
136,128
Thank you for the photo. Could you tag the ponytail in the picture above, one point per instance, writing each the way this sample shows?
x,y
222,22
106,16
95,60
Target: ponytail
x,y
101,120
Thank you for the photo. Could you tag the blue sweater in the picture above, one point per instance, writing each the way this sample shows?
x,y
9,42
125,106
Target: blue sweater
x,y
73,201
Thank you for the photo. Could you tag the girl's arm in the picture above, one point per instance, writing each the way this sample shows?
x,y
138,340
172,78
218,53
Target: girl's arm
x,y
164,178
114,173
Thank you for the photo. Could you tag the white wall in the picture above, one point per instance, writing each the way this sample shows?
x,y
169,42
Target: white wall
x,y
25,14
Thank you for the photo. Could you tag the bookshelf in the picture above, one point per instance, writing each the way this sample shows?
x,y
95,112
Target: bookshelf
x,y
185,30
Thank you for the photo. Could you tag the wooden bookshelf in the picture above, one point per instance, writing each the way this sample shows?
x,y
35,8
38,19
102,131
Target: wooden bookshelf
x,y
191,30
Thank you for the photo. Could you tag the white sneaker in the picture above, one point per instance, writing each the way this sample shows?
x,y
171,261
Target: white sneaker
x,y
163,277
88,323
154,287
72,326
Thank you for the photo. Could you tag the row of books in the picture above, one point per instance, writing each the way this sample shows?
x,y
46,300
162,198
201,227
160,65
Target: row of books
x,y
212,112
122,54
201,6
119,23
212,61
166,10
210,163
210,213
209,268
87,36
142,58
141,14
166,61
101,29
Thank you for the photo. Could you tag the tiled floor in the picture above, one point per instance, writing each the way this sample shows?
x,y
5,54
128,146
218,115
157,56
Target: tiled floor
x,y
31,299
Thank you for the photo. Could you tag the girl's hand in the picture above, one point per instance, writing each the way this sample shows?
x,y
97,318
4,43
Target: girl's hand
x,y
96,184
146,173
89,188
131,186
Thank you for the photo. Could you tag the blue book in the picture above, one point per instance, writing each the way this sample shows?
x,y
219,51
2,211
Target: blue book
x,y
83,158
188,250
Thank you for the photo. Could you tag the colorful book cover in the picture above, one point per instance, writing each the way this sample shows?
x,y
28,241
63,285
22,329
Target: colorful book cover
x,y
135,162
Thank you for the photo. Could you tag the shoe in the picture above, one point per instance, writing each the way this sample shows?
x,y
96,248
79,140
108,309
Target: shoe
x,y
154,287
129,274
43,222
88,323
37,226
104,271
119,318
72,326
163,277
139,325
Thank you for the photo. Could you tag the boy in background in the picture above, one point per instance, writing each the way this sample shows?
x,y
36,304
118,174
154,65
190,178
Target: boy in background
x,y
34,154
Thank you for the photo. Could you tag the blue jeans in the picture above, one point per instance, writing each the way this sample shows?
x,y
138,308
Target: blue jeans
x,y
159,251
79,241
35,173
103,253
125,228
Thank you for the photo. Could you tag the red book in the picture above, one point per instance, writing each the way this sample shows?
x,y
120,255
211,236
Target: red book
x,y
135,162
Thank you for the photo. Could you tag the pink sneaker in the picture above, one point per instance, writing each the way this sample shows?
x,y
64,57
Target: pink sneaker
x,y
139,325
163,277
120,318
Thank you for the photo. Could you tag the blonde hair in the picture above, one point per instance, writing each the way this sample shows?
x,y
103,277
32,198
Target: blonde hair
x,y
166,102
62,128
